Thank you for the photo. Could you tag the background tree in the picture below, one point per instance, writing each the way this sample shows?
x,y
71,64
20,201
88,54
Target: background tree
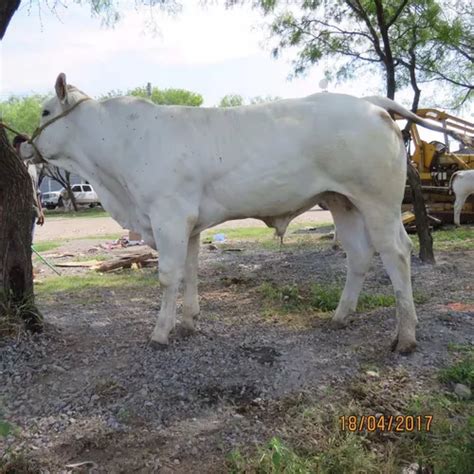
x,y
160,96
231,100
234,100
259,99
169,96
381,36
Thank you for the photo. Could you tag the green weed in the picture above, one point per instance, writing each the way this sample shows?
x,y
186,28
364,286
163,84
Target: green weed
x,y
48,245
77,283
15,316
82,212
460,372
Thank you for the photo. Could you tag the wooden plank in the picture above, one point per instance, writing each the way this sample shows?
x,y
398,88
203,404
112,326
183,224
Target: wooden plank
x,y
123,262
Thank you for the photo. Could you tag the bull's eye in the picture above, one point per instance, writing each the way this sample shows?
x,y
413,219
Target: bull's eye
x,y
45,113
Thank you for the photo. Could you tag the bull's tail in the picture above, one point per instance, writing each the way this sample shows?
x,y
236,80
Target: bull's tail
x,y
392,106
450,186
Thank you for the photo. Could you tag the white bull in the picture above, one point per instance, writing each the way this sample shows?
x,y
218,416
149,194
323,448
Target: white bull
x,y
462,184
171,172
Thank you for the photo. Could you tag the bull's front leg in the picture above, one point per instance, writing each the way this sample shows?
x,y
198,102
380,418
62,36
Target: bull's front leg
x,y
191,301
172,236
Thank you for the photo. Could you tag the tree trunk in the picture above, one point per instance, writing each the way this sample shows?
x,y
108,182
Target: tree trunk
x,y
69,191
16,211
391,83
421,216
7,10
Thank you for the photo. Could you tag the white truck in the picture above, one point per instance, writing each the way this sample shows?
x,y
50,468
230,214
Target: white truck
x,y
84,194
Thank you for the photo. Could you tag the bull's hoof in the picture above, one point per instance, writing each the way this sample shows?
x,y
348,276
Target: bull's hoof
x,y
338,323
158,340
184,330
403,347
157,346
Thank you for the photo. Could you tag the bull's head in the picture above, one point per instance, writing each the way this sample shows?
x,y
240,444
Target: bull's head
x,y
53,133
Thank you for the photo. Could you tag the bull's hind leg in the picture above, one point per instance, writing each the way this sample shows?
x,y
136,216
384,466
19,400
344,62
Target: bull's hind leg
x,y
392,242
458,205
353,235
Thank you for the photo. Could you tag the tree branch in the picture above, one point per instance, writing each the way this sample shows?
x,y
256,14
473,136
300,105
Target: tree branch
x,y
340,30
359,10
446,78
397,13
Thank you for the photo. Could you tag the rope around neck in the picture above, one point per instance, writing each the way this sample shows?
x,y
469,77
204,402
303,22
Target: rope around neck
x,y
40,129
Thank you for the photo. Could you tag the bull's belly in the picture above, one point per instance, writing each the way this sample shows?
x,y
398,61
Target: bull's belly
x,y
276,203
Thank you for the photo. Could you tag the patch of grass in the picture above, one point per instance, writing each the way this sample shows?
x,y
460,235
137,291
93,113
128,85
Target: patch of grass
x,y
460,372
347,454
101,237
264,237
273,458
6,428
461,238
318,297
18,463
454,347
448,447
324,297
287,296
48,245
82,212
16,316
77,283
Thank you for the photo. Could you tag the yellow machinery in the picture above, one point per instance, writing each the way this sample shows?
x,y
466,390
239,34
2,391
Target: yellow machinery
x,y
436,163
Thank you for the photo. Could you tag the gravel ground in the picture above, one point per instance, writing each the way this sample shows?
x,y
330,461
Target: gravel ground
x,y
91,390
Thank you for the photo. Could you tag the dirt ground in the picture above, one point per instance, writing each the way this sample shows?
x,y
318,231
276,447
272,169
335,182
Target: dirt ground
x,y
91,390
65,228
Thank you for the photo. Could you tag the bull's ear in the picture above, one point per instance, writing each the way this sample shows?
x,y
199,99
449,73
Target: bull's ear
x,y
61,88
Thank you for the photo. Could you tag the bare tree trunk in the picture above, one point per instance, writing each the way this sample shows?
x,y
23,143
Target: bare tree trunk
x,y
421,216
69,191
16,211
7,10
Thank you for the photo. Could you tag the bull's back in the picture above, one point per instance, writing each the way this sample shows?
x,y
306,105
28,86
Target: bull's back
x,y
270,158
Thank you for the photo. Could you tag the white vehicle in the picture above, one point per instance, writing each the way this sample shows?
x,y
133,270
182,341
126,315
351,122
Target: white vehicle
x,y
50,200
84,194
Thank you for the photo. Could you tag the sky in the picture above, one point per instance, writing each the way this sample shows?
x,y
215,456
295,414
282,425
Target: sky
x,y
209,50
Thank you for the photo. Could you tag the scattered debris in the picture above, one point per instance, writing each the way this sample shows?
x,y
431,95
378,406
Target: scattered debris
x,y
219,237
122,242
126,261
60,255
408,219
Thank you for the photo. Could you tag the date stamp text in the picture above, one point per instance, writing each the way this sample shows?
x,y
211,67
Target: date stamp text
x,y
385,423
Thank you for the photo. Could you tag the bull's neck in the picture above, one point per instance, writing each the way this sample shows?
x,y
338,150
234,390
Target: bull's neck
x,y
89,152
